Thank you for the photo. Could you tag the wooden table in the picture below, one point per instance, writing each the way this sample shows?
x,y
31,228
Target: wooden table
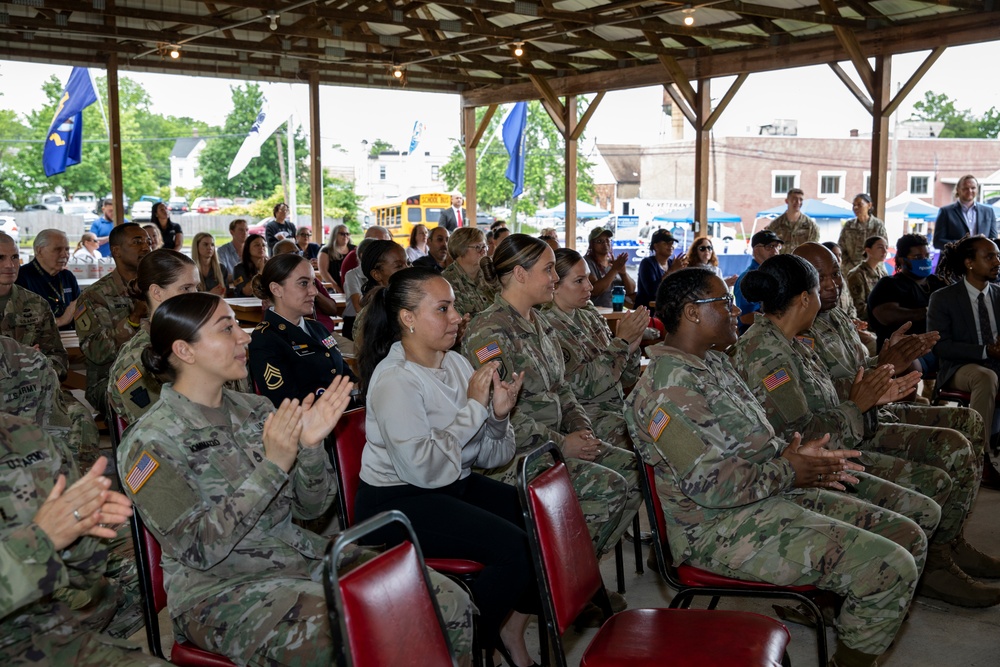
x,y
249,309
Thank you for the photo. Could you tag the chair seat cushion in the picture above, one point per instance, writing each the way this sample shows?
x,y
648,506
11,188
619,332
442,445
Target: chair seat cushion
x,y
682,637
454,565
695,576
186,654
954,395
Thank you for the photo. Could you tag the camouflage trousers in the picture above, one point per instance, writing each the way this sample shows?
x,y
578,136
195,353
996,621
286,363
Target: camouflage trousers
x,y
870,555
919,447
966,421
84,439
78,649
282,622
609,425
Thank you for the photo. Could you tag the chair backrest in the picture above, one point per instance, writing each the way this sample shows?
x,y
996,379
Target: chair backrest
x,y
383,612
349,442
657,522
568,573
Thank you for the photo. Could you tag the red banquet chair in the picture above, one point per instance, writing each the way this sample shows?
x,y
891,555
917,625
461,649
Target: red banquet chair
x,y
569,577
383,612
691,582
154,597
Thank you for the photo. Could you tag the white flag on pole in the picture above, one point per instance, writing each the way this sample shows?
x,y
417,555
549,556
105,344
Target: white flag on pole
x,y
273,113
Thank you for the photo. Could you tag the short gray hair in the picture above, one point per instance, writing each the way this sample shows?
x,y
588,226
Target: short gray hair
x,y
45,237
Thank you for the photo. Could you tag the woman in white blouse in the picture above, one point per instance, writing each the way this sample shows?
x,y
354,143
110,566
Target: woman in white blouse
x,y
86,249
430,419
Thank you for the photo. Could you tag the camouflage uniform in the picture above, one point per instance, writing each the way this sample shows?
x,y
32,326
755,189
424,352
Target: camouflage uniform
x,y
472,295
861,281
853,235
29,320
131,392
36,628
242,579
608,487
837,345
101,321
794,234
30,389
598,368
730,506
792,383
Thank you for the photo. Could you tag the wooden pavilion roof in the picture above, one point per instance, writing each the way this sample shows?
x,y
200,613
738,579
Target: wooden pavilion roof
x,y
467,46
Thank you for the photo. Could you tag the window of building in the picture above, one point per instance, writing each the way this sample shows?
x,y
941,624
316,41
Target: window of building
x,y
919,183
435,173
180,172
831,183
381,172
783,181
868,182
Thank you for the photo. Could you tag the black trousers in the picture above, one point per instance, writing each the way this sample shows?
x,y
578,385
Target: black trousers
x,y
475,518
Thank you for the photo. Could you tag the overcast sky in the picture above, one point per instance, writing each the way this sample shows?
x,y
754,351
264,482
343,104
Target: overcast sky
x,y
813,96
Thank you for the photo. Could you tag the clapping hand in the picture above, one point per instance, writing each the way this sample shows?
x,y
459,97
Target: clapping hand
x,y
87,507
817,466
632,325
505,394
321,414
281,434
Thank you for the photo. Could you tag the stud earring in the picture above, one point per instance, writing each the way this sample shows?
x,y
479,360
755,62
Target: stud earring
x,y
411,328
697,321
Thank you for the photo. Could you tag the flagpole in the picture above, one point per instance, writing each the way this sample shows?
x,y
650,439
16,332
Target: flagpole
x,y
290,197
93,82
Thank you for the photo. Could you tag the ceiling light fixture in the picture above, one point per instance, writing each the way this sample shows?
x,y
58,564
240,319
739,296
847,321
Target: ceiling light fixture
x,y
175,51
689,16
397,72
273,18
518,49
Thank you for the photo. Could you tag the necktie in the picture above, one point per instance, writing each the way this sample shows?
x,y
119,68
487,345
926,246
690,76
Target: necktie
x,y
984,321
458,216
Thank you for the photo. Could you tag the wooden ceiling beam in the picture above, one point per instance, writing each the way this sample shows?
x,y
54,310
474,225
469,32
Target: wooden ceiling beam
x,y
802,15
914,79
854,88
853,48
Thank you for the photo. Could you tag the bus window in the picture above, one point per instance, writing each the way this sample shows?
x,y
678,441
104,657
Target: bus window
x,y
413,214
434,214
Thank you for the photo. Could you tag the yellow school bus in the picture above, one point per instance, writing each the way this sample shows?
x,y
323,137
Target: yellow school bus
x,y
400,216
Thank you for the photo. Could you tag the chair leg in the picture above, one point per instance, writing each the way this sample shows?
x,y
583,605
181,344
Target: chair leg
x,y
543,643
637,544
620,567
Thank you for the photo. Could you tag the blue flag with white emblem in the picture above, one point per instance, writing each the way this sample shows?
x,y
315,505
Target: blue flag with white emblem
x,y
64,140
513,140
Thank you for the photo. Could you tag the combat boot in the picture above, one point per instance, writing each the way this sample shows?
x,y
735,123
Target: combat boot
x,y
944,580
974,562
849,657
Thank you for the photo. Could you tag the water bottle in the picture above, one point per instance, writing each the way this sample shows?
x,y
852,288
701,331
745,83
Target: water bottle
x,y
618,298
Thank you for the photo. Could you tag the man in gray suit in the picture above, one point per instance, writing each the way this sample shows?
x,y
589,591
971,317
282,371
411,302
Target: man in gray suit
x,y
965,217
454,217
965,314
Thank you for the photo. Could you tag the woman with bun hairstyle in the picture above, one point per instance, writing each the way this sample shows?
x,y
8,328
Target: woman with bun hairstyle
x,y
291,354
744,502
131,388
599,366
522,339
253,261
220,477
430,419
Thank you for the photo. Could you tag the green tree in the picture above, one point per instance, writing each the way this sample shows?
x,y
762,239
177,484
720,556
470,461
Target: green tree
x,y
958,123
262,175
379,146
544,149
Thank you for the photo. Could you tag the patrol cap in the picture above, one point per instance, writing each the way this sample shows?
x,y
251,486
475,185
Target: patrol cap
x,y
765,237
661,236
597,232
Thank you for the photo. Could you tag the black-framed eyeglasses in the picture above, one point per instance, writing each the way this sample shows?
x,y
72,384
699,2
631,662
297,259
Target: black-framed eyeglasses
x,y
703,248
729,299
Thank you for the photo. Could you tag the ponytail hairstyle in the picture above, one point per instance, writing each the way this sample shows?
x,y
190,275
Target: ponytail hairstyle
x,y
380,327
277,270
375,254
180,317
778,281
214,265
566,259
678,289
515,250
160,267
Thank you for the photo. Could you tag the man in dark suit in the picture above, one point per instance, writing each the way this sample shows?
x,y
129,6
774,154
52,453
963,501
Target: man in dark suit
x,y
965,314
965,216
454,217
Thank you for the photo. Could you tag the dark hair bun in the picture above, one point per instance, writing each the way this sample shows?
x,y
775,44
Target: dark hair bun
x,y
154,362
488,269
757,285
257,286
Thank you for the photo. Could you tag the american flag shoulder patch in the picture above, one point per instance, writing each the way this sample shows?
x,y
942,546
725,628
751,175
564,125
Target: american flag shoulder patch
x,y
807,341
658,423
141,472
776,379
128,378
487,352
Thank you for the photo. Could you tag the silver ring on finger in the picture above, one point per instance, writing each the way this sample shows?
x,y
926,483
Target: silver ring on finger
x,y
819,477
76,515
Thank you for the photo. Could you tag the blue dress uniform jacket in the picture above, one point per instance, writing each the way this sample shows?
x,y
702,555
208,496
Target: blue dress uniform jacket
x,y
287,362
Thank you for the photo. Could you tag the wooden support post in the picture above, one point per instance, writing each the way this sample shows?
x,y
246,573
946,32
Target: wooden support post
x,y
469,138
115,140
315,161
569,120
703,109
880,135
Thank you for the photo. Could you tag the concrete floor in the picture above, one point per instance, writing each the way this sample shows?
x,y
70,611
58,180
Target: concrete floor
x,y
935,635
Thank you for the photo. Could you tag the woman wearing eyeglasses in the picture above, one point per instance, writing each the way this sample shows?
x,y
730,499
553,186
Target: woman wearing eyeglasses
x,y
332,256
86,249
701,255
743,502
305,246
473,293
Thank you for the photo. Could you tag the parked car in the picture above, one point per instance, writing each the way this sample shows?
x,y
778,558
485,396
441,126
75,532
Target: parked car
x,y
214,204
178,205
259,228
36,207
8,226
89,197
243,201
142,211
5,206
75,207
52,201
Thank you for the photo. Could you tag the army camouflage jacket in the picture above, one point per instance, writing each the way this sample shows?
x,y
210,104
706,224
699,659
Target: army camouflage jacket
x,y
101,321
31,569
838,346
472,296
220,510
852,240
546,408
29,320
794,234
790,380
30,388
710,442
860,282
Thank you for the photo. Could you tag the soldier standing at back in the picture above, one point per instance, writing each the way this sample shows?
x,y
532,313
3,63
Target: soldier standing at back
x,y
107,315
793,226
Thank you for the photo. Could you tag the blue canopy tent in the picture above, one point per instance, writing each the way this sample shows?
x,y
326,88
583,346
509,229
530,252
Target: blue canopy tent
x,y
814,208
687,215
914,209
